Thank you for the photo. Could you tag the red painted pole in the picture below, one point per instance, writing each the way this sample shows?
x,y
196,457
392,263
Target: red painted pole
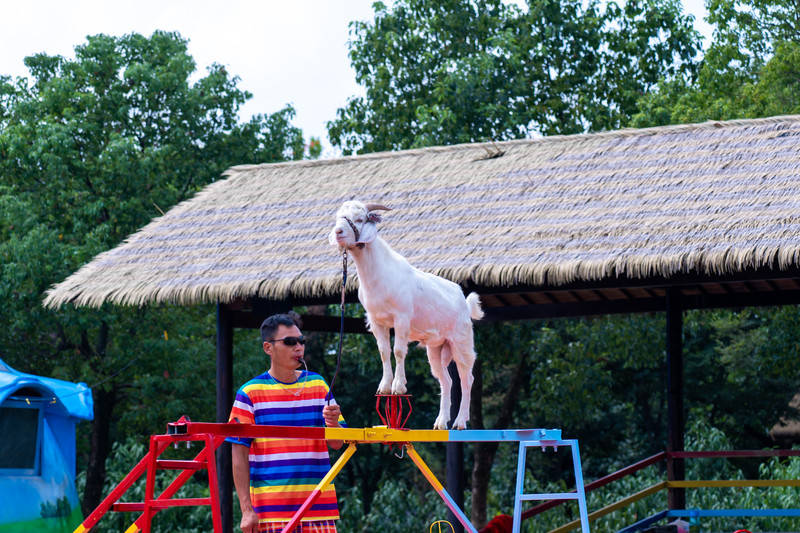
x,y
150,484
213,487
302,511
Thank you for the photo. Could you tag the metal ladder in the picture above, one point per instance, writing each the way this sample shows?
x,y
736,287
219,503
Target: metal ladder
x,y
148,466
579,494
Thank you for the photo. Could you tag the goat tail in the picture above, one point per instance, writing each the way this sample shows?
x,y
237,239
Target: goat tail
x,y
474,303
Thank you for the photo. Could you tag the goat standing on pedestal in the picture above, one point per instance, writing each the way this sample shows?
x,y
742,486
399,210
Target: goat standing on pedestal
x,y
419,306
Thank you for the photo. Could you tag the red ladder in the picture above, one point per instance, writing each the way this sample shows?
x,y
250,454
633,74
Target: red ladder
x,y
149,464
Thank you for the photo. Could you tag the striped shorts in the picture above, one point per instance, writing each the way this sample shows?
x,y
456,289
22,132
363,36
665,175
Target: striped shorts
x,y
318,526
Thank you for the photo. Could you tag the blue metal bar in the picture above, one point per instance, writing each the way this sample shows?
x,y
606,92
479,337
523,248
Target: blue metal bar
x,y
457,511
732,512
579,494
512,435
517,521
550,496
641,524
576,464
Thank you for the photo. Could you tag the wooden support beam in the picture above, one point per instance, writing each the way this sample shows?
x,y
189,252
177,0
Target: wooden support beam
x,y
224,403
742,299
555,310
601,295
250,314
503,300
250,320
676,498
332,324
626,293
639,305
547,297
455,454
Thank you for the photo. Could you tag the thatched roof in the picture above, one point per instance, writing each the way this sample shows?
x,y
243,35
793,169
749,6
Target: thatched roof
x,y
709,198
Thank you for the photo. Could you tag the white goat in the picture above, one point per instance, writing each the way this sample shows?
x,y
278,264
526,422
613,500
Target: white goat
x,y
419,306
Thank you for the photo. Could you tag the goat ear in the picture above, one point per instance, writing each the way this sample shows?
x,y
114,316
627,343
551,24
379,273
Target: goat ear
x,y
374,217
368,232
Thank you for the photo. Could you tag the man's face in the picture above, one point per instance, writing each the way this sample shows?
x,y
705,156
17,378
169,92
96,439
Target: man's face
x,y
282,355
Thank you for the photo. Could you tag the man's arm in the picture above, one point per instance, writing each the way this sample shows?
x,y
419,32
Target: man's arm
x,y
331,415
241,480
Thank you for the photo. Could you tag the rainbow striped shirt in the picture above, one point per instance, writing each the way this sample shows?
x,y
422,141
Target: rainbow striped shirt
x,y
283,472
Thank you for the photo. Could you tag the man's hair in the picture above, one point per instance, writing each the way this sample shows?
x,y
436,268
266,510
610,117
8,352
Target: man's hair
x,y
270,324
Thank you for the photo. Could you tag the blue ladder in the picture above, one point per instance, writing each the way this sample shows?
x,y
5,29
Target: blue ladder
x,y
579,493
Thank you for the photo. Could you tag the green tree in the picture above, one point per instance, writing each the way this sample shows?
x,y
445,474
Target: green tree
x,y
753,28
749,71
91,148
741,358
445,72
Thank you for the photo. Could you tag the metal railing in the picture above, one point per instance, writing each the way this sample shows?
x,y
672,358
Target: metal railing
x,y
678,484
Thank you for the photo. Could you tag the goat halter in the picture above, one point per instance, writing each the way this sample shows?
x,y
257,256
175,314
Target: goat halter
x,y
371,217
356,233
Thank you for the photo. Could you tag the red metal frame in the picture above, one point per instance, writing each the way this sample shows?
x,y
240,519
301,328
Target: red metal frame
x,y
393,409
151,505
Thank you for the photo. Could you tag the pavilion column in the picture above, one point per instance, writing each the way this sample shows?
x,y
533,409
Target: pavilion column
x,y
455,453
675,412
224,402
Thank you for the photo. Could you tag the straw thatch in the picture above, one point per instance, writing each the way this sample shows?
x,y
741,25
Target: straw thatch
x,y
713,198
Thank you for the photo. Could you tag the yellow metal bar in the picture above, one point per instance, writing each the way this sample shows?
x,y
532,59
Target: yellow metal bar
x,y
380,434
412,453
133,529
440,490
575,524
734,483
337,466
80,529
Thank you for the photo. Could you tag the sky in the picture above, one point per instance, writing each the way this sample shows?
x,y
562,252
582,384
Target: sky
x,y
285,52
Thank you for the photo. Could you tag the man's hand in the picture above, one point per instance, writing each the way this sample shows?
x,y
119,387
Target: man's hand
x,y
331,415
249,523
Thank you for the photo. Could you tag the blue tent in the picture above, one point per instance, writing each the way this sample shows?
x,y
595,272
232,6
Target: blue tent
x,y
37,451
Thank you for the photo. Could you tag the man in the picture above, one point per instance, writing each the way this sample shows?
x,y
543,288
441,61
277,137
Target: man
x,y
273,477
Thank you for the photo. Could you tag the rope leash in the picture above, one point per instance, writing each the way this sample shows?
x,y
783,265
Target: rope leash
x,y
341,328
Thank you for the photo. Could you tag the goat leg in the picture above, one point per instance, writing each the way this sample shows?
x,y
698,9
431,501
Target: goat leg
x,y
385,348
401,334
439,362
466,379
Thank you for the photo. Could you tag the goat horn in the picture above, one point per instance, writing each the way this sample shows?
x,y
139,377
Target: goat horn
x,y
377,207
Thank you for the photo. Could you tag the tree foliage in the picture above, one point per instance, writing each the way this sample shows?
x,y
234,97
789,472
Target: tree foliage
x,y
91,148
749,71
461,71
751,29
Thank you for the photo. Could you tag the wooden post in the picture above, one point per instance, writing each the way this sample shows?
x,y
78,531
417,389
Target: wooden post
x,y
224,403
455,454
676,498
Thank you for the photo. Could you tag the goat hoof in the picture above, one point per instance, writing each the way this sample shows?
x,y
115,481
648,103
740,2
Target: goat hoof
x,y
460,424
399,388
440,424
